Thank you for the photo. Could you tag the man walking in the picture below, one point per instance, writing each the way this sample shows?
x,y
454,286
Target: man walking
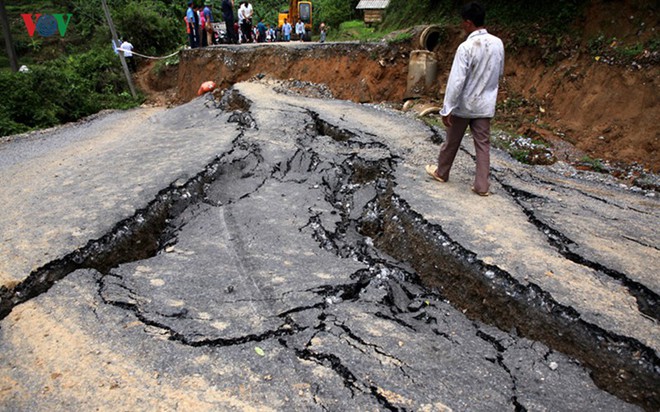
x,y
300,30
470,97
286,30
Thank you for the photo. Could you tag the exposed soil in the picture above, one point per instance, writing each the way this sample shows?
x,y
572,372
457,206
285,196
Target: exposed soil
x,y
159,85
584,107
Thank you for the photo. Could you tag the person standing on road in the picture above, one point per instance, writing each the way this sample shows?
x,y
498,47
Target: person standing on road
x,y
208,22
227,8
196,25
470,97
286,30
261,28
245,21
300,30
241,17
323,29
191,25
202,27
270,34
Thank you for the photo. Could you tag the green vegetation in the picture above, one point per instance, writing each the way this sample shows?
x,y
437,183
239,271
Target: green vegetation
x,y
357,30
78,74
611,50
354,30
552,28
62,90
594,164
334,12
400,37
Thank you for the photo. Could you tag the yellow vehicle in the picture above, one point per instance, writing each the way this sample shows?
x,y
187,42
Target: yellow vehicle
x,y
297,10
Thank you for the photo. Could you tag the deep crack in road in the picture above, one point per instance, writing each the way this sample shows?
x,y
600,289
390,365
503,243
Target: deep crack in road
x,y
304,269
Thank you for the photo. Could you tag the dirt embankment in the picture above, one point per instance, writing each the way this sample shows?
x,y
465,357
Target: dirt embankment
x,y
603,110
606,112
357,72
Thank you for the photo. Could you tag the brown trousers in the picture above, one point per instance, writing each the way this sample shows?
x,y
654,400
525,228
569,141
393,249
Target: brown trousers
x,y
480,129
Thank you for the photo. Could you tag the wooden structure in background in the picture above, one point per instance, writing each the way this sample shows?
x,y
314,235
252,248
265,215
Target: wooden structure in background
x,y
374,10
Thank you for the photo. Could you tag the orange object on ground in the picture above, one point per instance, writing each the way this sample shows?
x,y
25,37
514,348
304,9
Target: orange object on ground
x,y
206,87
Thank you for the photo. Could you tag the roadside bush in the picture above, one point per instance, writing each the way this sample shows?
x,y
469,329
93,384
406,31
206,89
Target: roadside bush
x,y
61,91
23,106
9,127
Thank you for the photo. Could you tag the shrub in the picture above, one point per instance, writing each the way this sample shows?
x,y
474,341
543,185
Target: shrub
x,y
62,90
333,12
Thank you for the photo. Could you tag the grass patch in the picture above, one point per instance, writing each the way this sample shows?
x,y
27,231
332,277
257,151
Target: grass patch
x,y
400,38
355,30
593,164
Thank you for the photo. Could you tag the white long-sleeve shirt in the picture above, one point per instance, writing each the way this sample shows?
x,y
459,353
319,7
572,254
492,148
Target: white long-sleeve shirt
x,y
474,78
242,13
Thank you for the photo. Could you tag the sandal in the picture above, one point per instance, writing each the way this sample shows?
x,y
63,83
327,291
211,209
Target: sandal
x,y
431,169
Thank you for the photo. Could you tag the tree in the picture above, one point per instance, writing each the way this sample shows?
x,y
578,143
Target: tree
x,y
11,52
334,12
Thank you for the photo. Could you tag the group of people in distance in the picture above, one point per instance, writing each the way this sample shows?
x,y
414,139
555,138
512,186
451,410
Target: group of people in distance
x,y
199,26
287,29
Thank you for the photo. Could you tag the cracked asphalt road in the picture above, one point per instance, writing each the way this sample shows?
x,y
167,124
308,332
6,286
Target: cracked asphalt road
x,y
304,262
